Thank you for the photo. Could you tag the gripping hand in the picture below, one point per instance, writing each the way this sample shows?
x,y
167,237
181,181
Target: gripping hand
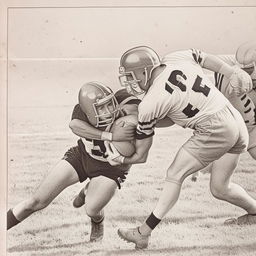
x,y
240,82
113,156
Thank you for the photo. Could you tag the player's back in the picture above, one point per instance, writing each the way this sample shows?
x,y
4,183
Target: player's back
x,y
183,91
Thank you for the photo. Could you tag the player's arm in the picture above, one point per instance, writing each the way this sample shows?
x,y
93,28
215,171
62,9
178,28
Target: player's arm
x,y
141,153
166,122
216,64
143,145
209,61
80,126
86,130
238,79
149,114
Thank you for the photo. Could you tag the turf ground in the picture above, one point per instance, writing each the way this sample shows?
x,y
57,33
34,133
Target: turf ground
x,y
38,138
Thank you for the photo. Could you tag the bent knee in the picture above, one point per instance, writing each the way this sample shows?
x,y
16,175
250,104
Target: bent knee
x,y
177,175
219,192
91,209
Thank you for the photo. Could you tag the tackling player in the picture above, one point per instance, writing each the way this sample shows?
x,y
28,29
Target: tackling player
x,y
244,103
97,109
187,97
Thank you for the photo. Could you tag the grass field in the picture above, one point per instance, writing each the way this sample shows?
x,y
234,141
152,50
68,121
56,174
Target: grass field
x,y
38,138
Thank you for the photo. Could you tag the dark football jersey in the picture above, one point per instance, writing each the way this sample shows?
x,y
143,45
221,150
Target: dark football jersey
x,y
96,148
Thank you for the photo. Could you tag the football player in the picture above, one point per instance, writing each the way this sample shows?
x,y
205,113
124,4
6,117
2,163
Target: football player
x,y
244,103
189,99
97,109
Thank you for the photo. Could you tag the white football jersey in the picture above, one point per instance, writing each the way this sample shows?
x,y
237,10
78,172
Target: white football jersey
x,y
244,103
182,92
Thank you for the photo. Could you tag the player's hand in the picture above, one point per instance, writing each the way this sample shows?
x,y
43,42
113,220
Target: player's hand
x,y
113,156
240,82
123,132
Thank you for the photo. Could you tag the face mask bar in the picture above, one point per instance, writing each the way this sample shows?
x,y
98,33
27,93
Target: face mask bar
x,y
132,84
108,118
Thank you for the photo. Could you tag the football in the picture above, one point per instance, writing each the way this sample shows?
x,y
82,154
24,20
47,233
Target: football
x,y
125,148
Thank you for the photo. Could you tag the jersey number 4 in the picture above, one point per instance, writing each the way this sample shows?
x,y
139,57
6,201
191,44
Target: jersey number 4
x,y
189,110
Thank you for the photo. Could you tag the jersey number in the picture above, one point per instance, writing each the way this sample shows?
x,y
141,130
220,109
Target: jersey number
x,y
189,110
96,147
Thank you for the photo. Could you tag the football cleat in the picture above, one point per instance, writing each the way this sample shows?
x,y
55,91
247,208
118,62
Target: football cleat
x,y
79,200
247,219
132,235
97,230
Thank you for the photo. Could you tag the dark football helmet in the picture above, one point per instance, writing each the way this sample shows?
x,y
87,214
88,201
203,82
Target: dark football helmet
x,y
99,103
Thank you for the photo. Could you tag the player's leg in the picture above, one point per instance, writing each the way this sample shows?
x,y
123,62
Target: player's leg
x,y
224,189
61,176
196,175
211,140
99,192
183,165
79,199
200,150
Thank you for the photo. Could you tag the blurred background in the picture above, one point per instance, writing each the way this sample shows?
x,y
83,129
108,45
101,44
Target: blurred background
x,y
53,51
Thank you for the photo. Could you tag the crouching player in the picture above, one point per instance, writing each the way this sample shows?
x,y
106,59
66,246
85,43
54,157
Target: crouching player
x,y
188,98
98,108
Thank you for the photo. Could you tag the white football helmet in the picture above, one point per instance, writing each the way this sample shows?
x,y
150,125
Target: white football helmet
x,y
136,66
99,104
246,56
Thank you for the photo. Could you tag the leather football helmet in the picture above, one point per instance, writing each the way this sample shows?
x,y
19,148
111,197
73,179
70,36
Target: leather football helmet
x,y
99,104
136,66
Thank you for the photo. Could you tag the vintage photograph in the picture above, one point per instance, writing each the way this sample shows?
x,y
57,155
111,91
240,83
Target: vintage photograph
x,y
129,128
